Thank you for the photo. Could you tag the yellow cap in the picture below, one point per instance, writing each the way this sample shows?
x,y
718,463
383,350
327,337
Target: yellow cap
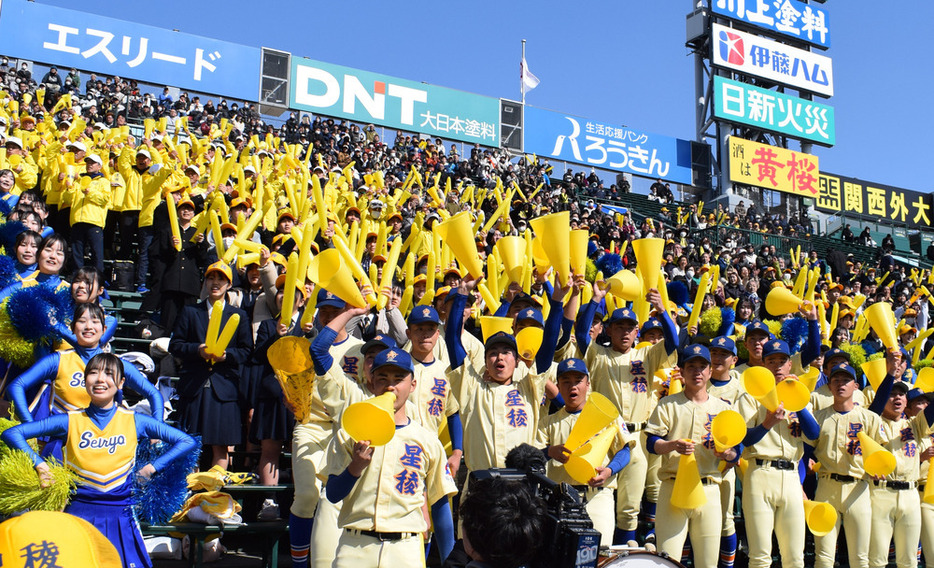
x,y
221,267
46,538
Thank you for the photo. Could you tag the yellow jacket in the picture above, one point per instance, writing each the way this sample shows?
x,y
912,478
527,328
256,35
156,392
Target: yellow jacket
x,y
90,205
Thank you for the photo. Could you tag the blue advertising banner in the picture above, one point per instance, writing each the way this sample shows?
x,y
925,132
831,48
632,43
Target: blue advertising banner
x,y
774,111
607,146
790,18
362,96
69,38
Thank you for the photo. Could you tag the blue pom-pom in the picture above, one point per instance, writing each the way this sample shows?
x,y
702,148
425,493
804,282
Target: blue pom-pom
x,y
609,264
678,292
164,495
728,317
8,233
795,333
7,271
35,310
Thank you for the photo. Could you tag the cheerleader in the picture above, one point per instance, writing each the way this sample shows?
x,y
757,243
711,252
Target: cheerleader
x,y
49,263
100,446
27,248
63,374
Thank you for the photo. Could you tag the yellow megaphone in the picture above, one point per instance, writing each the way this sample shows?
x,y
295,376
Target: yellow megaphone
x,y
457,233
85,182
809,378
874,371
928,486
759,382
727,429
512,252
625,284
793,394
584,461
877,460
490,325
578,250
925,380
14,159
675,386
648,261
529,341
371,419
291,362
781,301
554,230
882,320
329,271
598,413
821,518
688,493
539,256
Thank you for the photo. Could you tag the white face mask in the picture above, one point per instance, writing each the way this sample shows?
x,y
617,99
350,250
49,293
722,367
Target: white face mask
x,y
690,273
227,242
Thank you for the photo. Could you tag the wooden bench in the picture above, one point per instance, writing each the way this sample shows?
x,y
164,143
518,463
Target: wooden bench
x,y
269,533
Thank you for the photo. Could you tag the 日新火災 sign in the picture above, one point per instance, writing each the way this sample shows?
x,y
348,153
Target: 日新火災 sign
x,y
773,111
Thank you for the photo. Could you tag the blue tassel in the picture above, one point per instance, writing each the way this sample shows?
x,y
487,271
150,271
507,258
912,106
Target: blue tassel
x,y
728,317
795,333
33,310
678,292
609,264
7,271
165,494
8,233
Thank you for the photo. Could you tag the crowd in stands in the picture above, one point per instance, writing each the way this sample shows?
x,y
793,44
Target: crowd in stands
x,y
211,204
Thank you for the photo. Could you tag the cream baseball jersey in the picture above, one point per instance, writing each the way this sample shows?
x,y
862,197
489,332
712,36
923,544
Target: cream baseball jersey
x,y
677,418
837,448
625,378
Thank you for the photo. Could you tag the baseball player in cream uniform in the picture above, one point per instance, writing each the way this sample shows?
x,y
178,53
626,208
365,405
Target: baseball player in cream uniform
x,y
680,424
624,374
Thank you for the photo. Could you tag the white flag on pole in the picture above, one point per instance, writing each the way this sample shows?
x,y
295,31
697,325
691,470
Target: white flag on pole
x,y
529,81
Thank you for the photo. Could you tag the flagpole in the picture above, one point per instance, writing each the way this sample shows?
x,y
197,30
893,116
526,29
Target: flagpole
x,y
521,78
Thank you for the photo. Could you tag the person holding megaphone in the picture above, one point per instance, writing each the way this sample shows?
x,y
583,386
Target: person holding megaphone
x,y
623,373
680,426
772,494
847,435
555,430
896,503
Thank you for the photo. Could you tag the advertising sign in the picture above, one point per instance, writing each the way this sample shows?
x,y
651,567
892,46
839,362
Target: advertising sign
x,y
790,18
606,146
767,166
69,38
877,201
366,97
771,60
774,111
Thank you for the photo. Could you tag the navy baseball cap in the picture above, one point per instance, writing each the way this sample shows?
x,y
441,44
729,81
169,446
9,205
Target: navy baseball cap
x,y
775,346
757,325
694,352
901,386
326,298
622,314
501,338
531,314
379,340
393,357
572,366
842,368
424,314
723,342
915,393
835,352
649,325
521,298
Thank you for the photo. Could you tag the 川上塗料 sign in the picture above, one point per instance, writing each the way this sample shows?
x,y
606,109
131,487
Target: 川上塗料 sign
x,y
791,18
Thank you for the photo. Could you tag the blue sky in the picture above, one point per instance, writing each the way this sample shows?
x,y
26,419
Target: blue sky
x,y
620,61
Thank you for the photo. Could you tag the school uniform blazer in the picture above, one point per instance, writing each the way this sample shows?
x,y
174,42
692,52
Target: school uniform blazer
x,y
190,331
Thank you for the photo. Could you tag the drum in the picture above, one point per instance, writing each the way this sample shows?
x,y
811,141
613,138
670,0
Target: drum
x,y
627,557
